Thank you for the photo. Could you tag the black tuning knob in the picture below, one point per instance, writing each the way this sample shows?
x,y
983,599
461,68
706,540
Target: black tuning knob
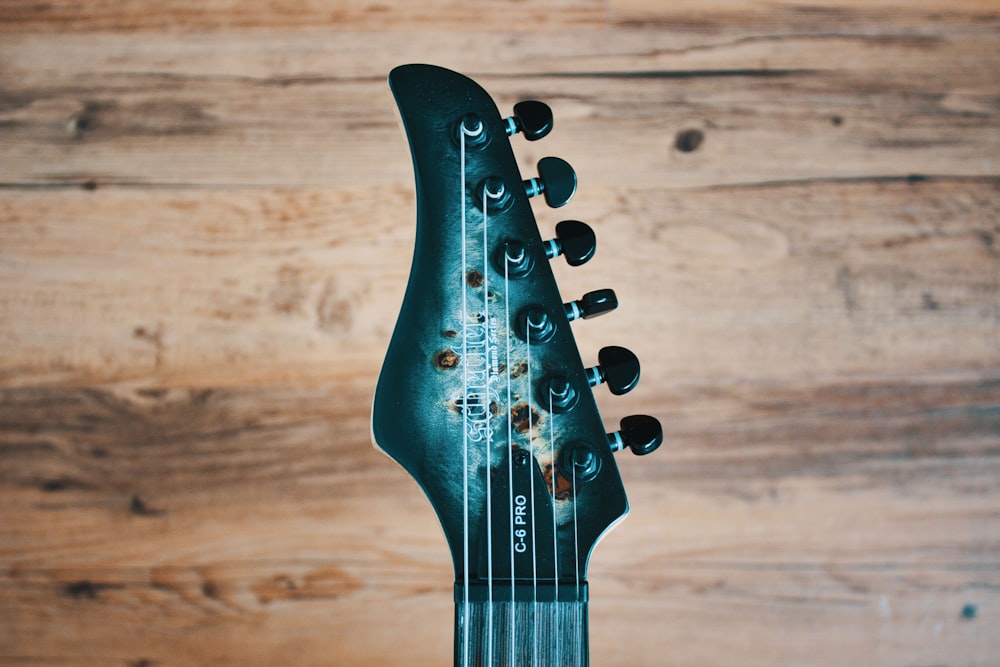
x,y
556,180
618,367
532,118
640,433
574,240
592,304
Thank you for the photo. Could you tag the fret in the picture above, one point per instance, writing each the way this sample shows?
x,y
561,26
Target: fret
x,y
521,634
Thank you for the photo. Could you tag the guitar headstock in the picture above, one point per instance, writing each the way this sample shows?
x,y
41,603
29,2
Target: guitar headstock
x,y
484,398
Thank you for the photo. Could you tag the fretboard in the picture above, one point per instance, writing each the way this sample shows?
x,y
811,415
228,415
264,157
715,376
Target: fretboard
x,y
521,634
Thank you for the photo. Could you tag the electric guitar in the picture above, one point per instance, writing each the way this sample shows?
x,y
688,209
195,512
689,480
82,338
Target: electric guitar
x,y
483,397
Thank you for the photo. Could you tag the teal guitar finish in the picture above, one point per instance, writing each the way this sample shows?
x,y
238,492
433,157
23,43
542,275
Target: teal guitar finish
x,y
483,396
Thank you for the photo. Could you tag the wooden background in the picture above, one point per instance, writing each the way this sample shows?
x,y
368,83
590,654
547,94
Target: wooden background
x,y
206,219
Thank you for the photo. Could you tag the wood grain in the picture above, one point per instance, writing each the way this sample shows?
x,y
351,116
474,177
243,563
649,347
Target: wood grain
x,y
206,222
770,109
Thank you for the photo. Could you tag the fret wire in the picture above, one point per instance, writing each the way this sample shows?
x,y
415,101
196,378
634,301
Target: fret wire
x,y
562,626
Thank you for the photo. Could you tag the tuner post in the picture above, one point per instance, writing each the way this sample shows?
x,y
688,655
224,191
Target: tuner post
x,y
471,131
534,325
582,458
557,393
513,259
493,193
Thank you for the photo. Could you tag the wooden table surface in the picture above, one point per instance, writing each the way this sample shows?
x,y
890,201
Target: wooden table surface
x,y
206,221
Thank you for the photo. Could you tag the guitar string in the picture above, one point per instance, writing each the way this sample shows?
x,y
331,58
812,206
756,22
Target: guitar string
x,y
531,477
489,439
555,531
466,546
576,567
576,540
465,413
510,450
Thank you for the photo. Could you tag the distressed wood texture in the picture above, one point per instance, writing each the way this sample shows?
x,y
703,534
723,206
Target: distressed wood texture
x,y
206,220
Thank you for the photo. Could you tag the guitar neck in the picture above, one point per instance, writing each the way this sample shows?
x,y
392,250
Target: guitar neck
x,y
521,634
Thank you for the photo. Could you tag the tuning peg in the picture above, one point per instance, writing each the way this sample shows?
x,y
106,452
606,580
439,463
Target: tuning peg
x,y
640,433
583,460
473,131
531,117
558,393
512,259
618,367
534,325
556,180
574,240
591,305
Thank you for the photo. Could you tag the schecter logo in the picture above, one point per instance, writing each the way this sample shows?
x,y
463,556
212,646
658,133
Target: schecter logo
x,y
481,370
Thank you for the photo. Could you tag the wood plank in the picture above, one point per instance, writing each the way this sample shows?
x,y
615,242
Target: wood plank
x,y
287,109
510,15
105,15
811,16
222,288
273,276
